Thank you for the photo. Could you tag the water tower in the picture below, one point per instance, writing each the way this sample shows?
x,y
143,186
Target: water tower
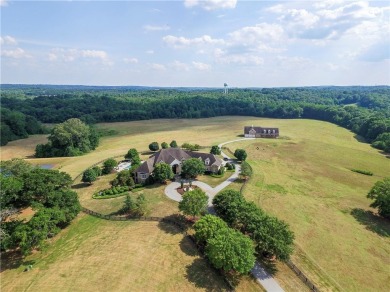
x,y
226,90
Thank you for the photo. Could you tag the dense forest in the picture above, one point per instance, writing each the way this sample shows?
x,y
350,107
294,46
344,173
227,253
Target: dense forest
x,y
364,110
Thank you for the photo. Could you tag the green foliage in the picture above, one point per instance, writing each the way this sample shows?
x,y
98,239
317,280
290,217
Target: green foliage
x,y
113,192
164,145
133,156
89,176
215,150
97,170
173,144
382,142
271,235
221,171
109,165
365,172
16,125
190,147
246,170
50,194
230,166
240,154
154,146
230,250
128,205
70,138
192,167
137,208
380,193
207,227
194,202
123,178
141,205
162,172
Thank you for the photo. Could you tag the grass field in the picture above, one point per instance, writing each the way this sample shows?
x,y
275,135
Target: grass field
x,y
303,178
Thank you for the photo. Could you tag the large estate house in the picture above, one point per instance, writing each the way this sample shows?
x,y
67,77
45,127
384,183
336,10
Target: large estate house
x,y
175,157
260,132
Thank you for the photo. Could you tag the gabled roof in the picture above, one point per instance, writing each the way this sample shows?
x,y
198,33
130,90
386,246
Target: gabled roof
x,y
171,154
259,129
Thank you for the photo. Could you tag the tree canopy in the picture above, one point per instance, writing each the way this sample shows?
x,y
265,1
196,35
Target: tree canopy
x,y
380,193
70,138
215,150
162,172
240,154
194,202
109,165
133,156
192,167
89,176
154,146
164,145
207,227
173,144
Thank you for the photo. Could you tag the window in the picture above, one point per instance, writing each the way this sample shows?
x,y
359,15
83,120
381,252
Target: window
x,y
207,161
143,176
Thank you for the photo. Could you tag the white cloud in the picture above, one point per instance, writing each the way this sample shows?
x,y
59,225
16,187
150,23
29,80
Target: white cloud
x,y
211,4
260,32
201,66
180,42
301,16
70,55
8,40
224,57
156,28
150,52
177,65
130,60
17,53
158,67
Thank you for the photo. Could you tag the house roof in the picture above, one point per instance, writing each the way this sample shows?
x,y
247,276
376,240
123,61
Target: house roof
x,y
259,129
171,154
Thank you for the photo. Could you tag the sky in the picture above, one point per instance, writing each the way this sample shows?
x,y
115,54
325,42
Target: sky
x,y
193,43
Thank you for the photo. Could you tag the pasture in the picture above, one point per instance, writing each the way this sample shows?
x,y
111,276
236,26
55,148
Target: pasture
x,y
303,178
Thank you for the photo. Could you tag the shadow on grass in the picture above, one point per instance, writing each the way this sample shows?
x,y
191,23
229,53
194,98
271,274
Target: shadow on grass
x,y
360,138
198,274
241,136
80,186
174,224
13,260
372,222
188,247
269,265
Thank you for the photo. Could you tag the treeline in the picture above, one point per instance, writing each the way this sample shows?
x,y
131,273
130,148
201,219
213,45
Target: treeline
x,y
364,110
15,125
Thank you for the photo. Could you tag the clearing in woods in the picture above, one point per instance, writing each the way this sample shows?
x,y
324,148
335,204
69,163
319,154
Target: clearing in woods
x,y
303,178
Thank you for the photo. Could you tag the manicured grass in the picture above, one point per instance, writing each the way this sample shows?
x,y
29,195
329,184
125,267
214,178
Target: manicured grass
x,y
307,182
96,255
303,178
214,181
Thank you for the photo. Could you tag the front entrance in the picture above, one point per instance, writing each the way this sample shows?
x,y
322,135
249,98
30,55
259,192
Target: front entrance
x,y
175,168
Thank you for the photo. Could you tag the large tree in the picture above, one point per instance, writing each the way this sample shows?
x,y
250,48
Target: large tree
x,y
207,227
240,154
89,176
246,170
154,146
380,193
162,172
173,144
192,167
231,250
164,145
133,156
70,138
109,165
215,150
123,178
194,202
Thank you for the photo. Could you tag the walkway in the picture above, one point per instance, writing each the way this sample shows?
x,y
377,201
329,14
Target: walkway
x,y
258,271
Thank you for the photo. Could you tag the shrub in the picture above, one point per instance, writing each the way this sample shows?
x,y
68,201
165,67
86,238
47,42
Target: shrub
x,y
365,172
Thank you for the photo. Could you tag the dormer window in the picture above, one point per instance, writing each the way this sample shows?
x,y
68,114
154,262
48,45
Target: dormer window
x,y
207,161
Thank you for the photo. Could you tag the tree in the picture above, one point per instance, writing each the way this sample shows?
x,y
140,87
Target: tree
x,y
140,205
246,170
128,205
173,144
207,227
133,156
70,138
240,154
154,146
164,145
382,142
230,250
109,165
123,178
380,193
162,172
89,176
193,202
97,170
215,150
192,167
